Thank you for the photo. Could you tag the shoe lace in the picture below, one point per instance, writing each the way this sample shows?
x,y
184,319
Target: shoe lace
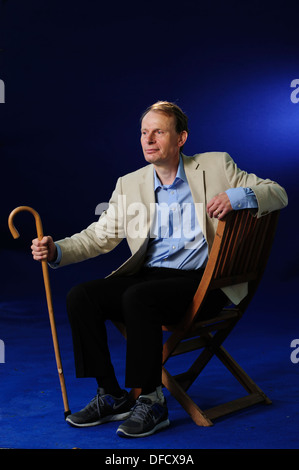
x,y
100,403
94,404
142,410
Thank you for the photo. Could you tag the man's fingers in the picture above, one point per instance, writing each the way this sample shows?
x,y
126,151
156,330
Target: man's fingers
x,y
214,208
39,248
219,206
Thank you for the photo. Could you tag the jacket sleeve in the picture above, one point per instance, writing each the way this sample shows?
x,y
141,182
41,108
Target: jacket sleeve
x,y
270,195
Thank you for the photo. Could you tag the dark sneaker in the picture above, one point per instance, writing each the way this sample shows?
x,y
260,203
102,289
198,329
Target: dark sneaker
x,y
147,417
102,409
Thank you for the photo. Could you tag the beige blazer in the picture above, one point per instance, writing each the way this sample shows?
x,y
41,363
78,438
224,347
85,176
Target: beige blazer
x,y
131,211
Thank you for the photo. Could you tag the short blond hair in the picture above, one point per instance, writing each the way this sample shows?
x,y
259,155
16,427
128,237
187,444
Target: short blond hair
x,y
171,109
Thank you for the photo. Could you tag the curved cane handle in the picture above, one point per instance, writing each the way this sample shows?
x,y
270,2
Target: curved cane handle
x,y
38,223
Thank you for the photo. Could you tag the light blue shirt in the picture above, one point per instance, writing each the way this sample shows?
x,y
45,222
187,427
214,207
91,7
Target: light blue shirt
x,y
177,240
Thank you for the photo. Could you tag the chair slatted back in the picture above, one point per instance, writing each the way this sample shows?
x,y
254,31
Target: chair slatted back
x,y
241,248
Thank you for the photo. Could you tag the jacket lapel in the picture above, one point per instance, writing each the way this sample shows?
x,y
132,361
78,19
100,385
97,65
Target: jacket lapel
x,y
195,177
147,193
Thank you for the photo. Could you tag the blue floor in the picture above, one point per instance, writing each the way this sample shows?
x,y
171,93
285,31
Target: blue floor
x,y
31,407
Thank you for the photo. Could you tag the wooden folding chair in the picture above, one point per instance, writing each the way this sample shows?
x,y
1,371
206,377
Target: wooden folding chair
x,y
239,254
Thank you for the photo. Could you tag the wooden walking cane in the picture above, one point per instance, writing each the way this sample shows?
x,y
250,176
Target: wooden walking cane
x,y
40,235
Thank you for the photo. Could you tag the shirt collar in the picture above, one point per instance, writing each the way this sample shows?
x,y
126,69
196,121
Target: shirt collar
x,y
180,176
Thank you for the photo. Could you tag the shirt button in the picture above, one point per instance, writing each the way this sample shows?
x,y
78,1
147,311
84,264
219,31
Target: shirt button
x,y
173,247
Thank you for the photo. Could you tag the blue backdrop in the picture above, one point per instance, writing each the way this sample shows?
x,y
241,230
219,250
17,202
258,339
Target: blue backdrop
x,y
77,77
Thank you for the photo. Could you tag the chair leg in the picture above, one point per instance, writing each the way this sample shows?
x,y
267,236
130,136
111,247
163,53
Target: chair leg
x,y
240,374
185,401
179,384
212,345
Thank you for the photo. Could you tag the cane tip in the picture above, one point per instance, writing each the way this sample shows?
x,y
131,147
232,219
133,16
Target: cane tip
x,y
67,413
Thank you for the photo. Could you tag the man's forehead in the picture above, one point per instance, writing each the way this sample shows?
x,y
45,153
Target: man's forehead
x,y
157,118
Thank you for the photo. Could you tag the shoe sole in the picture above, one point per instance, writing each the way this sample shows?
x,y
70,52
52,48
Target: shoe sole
x,y
164,424
107,419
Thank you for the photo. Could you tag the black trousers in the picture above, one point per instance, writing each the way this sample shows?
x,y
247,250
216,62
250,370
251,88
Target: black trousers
x,y
144,302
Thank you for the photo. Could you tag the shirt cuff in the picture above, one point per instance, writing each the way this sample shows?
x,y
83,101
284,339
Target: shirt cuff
x,y
242,198
55,263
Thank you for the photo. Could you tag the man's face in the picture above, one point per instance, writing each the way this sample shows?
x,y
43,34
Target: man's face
x,y
160,142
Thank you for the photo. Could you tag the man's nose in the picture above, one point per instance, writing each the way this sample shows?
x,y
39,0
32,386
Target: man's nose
x,y
150,138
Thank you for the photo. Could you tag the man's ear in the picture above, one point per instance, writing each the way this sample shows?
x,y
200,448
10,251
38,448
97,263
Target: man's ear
x,y
182,138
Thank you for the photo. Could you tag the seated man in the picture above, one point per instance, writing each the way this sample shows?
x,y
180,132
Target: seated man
x,y
156,284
